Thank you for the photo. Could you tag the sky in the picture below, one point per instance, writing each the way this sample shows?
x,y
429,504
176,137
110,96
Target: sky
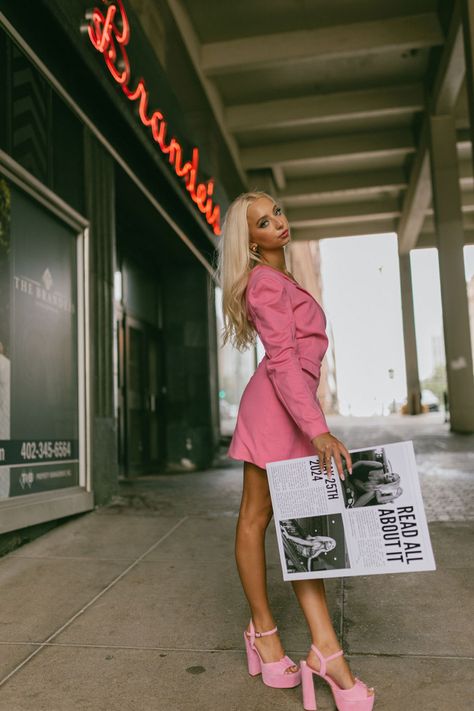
x,y
362,302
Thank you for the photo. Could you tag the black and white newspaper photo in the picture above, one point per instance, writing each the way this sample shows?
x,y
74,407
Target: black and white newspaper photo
x,y
372,482
371,522
314,543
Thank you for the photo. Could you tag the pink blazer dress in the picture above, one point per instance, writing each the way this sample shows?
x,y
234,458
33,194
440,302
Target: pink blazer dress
x,y
279,412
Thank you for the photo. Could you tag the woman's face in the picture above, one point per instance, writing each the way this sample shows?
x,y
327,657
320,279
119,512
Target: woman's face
x,y
268,226
390,478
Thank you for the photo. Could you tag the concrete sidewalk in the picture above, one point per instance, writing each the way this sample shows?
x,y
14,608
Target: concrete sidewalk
x,y
138,606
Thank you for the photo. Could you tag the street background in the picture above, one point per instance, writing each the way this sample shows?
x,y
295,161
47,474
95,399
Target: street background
x,y
138,606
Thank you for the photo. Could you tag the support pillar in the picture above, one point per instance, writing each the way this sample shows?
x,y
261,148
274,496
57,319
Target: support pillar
x,y
467,7
100,202
450,239
409,337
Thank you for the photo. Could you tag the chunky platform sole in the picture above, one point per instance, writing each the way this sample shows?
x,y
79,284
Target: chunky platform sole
x,y
345,699
273,673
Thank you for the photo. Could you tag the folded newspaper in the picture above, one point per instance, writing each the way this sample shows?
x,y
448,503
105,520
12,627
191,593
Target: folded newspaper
x,y
372,522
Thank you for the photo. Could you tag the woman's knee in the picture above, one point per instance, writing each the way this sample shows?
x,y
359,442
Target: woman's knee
x,y
256,505
253,517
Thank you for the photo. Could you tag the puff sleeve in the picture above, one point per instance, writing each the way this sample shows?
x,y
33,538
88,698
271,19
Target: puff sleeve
x,y
270,309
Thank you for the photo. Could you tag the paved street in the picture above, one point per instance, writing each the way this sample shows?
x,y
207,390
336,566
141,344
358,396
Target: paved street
x,y
137,606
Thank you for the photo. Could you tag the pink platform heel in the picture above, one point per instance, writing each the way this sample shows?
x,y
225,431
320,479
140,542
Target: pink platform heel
x,y
354,699
273,673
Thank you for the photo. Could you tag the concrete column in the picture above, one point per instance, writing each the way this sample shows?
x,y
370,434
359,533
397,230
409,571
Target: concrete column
x,y
450,238
468,36
409,337
100,205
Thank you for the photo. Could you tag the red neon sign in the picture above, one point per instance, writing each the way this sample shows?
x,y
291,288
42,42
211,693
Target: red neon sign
x,y
110,40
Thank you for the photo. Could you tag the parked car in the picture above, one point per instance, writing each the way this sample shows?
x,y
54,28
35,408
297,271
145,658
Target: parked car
x,y
429,400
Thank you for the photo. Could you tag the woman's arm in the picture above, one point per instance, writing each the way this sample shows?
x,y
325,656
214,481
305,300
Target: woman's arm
x,y
362,463
364,499
301,541
386,497
270,308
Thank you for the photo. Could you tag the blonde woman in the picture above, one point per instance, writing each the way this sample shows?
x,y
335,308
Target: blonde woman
x,y
372,485
311,547
279,418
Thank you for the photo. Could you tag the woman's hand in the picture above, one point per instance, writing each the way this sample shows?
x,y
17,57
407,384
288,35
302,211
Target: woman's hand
x,y
328,446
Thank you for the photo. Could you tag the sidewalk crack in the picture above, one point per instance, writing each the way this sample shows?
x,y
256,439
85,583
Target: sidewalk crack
x,y
96,597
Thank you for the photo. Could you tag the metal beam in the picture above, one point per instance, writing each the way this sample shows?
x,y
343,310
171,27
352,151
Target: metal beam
x,y
419,194
468,30
342,187
329,149
377,227
466,174
467,203
279,177
391,101
325,43
447,85
417,198
342,214
430,228
452,68
193,48
428,240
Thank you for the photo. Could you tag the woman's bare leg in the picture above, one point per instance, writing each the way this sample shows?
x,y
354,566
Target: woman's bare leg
x,y
312,599
254,516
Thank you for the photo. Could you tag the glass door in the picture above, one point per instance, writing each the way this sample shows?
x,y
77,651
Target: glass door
x,y
144,398
155,396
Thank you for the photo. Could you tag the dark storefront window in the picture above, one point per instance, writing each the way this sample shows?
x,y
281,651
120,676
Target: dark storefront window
x,y
39,364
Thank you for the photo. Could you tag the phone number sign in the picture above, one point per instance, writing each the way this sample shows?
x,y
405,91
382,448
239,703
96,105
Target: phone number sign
x,y
37,451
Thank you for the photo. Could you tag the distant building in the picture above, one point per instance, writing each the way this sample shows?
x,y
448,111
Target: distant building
x,y
304,262
470,298
438,351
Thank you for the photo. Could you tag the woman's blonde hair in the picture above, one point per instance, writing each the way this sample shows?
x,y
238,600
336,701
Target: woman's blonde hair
x,y
235,260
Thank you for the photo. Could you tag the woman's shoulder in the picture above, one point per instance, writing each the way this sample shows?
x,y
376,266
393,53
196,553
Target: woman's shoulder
x,y
264,287
261,275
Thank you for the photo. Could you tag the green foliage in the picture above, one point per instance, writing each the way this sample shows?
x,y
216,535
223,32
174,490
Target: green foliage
x,y
436,382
